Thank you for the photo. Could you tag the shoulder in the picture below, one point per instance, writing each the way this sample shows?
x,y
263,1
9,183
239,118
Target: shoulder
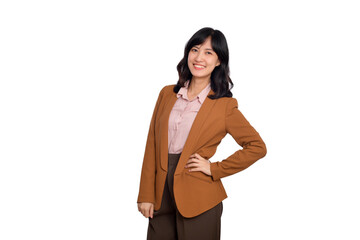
x,y
230,104
227,101
232,101
168,88
165,91
225,105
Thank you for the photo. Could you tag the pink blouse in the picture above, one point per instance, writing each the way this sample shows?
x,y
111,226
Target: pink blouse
x,y
182,117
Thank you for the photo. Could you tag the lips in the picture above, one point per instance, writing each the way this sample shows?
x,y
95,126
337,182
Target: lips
x,y
198,67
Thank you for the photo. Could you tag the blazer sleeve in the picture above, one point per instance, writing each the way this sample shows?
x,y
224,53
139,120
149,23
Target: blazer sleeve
x,y
246,136
147,179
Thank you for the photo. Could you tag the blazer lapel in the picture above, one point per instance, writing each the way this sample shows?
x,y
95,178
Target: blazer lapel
x,y
201,116
164,147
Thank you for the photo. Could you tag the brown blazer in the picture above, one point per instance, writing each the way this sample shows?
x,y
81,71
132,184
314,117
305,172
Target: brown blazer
x,y
196,192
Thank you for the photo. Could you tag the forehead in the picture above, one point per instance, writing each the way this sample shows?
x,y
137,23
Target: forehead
x,y
205,44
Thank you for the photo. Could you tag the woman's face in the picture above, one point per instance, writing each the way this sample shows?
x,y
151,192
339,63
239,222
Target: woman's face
x,y
202,60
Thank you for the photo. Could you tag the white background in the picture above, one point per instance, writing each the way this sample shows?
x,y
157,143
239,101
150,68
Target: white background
x,y
79,81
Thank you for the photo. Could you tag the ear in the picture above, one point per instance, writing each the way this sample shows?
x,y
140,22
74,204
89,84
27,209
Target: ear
x,y
217,63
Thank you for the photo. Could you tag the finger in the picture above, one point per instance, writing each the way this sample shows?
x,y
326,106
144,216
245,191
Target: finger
x,y
192,165
151,210
200,170
199,156
195,156
194,160
191,162
146,213
194,169
143,211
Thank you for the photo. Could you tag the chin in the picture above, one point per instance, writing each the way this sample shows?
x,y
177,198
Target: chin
x,y
196,73
200,75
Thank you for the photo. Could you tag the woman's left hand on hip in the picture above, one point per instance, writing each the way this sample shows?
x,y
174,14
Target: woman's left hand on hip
x,y
198,163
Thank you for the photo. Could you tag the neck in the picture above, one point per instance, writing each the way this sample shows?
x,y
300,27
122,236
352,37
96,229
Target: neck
x,y
198,84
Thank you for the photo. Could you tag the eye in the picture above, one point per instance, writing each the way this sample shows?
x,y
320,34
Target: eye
x,y
208,52
194,50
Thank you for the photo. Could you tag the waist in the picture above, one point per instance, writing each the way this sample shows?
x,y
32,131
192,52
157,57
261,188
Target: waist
x,y
174,154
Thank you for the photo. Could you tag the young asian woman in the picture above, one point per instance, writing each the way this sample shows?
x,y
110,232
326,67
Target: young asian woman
x,y
180,187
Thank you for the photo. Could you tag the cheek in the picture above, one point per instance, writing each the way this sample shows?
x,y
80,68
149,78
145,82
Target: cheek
x,y
212,67
215,63
189,62
190,57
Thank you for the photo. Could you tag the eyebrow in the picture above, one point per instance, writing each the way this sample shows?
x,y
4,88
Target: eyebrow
x,y
205,49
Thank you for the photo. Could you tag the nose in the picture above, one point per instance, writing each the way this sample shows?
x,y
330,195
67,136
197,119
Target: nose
x,y
199,56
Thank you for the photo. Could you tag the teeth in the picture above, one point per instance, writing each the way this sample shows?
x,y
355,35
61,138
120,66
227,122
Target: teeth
x,y
198,66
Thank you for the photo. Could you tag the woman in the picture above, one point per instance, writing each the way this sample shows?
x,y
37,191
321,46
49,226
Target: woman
x,y
180,189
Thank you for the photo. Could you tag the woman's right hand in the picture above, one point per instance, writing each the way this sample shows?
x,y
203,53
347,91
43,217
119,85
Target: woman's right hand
x,y
146,209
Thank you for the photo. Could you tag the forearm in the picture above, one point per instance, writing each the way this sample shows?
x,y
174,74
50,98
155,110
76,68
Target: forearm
x,y
147,180
239,160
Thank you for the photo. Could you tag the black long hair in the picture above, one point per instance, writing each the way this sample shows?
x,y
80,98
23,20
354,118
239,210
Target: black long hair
x,y
221,82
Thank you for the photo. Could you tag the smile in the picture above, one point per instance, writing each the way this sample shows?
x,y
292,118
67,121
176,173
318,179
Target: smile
x,y
198,67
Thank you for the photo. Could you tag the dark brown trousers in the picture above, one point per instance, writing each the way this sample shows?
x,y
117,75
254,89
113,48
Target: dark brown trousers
x,y
168,224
